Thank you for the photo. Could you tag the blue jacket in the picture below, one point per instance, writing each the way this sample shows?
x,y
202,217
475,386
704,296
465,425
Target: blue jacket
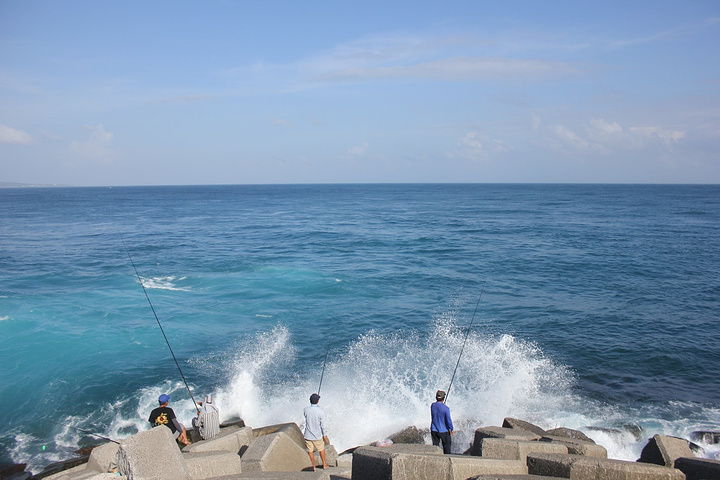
x,y
441,421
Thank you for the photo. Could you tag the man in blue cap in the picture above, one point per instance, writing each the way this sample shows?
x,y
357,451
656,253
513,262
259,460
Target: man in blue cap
x,y
441,427
164,415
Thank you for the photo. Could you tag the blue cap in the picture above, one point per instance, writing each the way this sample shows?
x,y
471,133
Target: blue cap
x,y
164,398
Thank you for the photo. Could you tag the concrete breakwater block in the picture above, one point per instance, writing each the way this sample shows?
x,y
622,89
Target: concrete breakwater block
x,y
705,436
310,475
463,467
500,432
203,465
79,472
331,456
390,463
505,449
578,447
409,435
275,452
698,468
581,467
290,429
345,460
102,458
377,463
523,425
569,433
231,439
152,455
90,475
664,450
62,466
421,449
511,477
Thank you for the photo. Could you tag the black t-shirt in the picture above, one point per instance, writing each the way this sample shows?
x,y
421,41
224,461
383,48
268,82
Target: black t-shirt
x,y
163,416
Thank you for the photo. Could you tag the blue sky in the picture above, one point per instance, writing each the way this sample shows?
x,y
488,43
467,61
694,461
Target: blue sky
x,y
244,92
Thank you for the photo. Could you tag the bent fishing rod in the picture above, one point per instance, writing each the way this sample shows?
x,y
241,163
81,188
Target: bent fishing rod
x,y
463,345
158,322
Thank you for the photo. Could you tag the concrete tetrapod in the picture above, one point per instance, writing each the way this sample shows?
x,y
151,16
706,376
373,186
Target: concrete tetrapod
x,y
580,467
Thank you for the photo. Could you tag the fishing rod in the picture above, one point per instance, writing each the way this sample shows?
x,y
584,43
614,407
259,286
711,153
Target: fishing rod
x,y
94,434
463,345
158,322
323,370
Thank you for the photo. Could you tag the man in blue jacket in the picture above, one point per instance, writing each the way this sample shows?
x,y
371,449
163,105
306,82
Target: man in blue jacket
x,y
442,427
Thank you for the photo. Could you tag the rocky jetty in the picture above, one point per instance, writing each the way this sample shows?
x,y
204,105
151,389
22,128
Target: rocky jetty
x,y
517,450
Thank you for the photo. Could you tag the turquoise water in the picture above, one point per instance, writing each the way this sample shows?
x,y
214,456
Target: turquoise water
x,y
599,308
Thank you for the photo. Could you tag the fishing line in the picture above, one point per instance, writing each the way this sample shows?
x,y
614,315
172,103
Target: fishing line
x,y
158,322
447,394
323,370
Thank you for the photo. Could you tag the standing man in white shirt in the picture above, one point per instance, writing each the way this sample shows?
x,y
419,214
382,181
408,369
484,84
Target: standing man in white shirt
x,y
315,431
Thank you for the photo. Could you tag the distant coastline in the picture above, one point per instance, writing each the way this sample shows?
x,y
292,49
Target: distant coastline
x,y
30,185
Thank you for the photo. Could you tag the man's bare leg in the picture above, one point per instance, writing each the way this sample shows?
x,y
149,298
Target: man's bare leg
x,y
322,455
312,459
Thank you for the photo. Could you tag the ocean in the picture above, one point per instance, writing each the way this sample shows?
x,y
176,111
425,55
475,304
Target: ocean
x,y
597,309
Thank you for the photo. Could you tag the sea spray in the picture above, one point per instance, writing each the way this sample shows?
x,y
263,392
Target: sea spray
x,y
255,374
382,383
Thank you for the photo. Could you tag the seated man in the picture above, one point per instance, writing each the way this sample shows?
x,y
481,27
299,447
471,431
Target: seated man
x,y
164,415
207,423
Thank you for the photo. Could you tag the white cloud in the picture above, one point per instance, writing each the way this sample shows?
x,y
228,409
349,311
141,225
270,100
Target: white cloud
x,y
471,141
14,136
450,58
457,69
606,128
571,138
96,147
602,136
643,135
358,150
679,31
475,146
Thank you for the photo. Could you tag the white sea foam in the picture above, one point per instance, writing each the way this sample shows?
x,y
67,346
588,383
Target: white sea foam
x,y
382,383
164,283
2,319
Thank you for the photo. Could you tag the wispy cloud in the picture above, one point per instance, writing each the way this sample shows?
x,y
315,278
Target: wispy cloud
x,y
477,146
452,58
14,136
358,150
601,136
458,69
96,147
678,31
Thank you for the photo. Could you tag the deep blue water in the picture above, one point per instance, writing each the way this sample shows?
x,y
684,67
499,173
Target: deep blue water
x,y
599,307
